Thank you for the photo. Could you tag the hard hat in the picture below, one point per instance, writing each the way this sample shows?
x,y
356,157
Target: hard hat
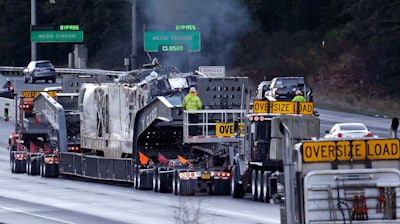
x,y
192,89
298,92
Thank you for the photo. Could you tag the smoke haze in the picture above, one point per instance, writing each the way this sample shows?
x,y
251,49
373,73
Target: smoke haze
x,y
220,23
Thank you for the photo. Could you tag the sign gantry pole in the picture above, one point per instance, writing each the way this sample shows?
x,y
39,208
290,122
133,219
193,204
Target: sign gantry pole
x,y
33,22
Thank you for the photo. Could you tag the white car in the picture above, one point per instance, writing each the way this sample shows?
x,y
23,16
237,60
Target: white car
x,y
349,130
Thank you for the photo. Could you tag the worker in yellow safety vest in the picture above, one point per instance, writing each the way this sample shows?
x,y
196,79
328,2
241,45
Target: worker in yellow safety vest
x,y
192,102
299,97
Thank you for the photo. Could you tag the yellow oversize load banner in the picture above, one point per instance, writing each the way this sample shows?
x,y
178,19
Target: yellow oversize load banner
x,y
346,150
225,129
33,94
283,107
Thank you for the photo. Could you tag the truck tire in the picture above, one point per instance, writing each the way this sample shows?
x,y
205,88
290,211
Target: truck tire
x,y
174,183
43,169
237,190
265,187
156,180
20,166
260,188
187,187
210,189
12,166
28,164
165,182
138,184
12,162
254,185
135,176
178,186
219,187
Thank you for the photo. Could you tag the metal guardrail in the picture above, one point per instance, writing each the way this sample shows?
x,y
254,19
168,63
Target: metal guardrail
x,y
9,70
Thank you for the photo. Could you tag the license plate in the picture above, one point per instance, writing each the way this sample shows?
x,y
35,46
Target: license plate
x,y
205,176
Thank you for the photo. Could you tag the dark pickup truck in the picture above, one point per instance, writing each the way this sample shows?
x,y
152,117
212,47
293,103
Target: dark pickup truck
x,y
284,88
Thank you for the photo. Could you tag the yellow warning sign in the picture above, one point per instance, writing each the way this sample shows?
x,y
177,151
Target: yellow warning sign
x,y
225,129
241,129
346,150
283,107
33,94
383,149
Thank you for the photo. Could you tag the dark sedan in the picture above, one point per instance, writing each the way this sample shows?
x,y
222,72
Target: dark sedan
x,y
7,90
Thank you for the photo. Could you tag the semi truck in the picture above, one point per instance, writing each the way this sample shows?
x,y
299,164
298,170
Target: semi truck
x,y
352,180
136,131
36,141
138,125
258,166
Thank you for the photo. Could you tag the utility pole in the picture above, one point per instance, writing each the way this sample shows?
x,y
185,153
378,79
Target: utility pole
x,y
33,22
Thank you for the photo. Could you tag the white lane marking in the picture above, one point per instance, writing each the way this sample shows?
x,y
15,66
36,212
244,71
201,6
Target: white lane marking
x,y
39,216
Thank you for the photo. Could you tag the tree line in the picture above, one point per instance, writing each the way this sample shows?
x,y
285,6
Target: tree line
x,y
354,42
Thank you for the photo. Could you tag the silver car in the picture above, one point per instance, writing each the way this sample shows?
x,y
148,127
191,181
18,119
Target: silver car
x,y
40,70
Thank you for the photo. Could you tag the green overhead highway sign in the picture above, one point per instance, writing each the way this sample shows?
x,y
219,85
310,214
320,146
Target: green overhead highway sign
x,y
55,36
57,33
155,41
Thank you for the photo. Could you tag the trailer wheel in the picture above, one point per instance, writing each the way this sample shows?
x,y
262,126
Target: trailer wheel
x,y
254,185
43,169
155,180
138,181
178,186
237,190
260,188
265,187
12,164
164,182
186,187
135,177
219,187
29,165
174,183
210,189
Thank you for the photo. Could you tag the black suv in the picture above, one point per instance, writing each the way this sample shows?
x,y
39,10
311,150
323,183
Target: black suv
x,y
40,70
284,88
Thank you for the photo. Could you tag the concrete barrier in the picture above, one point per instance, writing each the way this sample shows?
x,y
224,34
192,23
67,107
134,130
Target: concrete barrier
x,y
9,70
10,105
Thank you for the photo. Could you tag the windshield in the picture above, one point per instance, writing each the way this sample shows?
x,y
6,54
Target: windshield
x,y
175,100
178,83
44,65
352,127
3,82
285,83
